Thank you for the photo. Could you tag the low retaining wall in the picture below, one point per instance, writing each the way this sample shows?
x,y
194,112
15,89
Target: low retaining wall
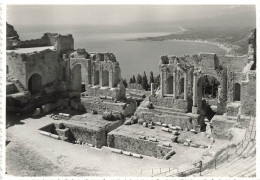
x,y
91,135
90,103
176,120
138,146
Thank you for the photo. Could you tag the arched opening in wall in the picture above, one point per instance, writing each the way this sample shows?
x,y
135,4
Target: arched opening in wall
x,y
105,78
237,92
207,99
35,83
169,85
181,88
76,79
96,80
209,87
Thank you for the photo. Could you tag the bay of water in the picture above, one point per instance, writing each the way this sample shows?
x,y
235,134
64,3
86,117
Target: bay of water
x,y
133,56
138,56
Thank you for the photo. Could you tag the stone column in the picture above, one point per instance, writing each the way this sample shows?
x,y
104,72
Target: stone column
x,y
100,76
185,85
195,105
111,80
175,83
195,81
93,74
152,89
162,83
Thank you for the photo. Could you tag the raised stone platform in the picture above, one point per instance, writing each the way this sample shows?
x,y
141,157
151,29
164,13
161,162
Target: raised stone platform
x,y
168,116
153,142
102,104
86,128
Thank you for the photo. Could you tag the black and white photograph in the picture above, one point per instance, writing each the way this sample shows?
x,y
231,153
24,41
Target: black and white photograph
x,y
129,90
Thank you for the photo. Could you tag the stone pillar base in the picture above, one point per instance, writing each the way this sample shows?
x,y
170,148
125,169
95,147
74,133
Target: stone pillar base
x,y
195,110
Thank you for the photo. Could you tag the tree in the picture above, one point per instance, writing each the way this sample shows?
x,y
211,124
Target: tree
x,y
134,80
131,80
157,81
139,79
125,83
145,82
151,77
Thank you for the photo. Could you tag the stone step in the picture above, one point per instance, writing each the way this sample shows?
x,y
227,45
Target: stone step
x,y
251,174
252,151
247,171
238,165
248,149
225,166
247,165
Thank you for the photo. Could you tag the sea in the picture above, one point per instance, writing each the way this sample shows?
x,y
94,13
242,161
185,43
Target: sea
x,y
134,57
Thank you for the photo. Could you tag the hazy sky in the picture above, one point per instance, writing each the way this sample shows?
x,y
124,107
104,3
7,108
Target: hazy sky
x,y
114,14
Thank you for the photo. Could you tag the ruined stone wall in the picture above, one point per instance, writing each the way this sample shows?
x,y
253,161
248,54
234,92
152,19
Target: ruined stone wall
x,y
138,146
252,48
64,42
114,93
233,78
233,63
11,88
167,102
33,43
209,60
16,67
45,63
248,95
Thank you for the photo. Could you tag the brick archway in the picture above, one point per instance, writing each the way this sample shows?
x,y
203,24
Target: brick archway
x,y
35,83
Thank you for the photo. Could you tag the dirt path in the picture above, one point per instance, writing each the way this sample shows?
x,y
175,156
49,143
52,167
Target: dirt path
x,y
32,154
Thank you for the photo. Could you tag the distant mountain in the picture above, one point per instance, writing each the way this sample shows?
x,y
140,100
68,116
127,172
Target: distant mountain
x,y
11,32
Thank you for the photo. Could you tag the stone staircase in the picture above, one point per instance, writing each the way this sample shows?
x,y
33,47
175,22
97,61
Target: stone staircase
x,y
239,161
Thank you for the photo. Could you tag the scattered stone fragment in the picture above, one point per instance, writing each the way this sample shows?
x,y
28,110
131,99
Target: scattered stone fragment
x,y
186,144
165,125
45,133
158,123
175,133
142,137
188,140
175,139
193,145
94,112
118,151
144,124
165,129
173,128
193,131
127,122
140,121
137,155
150,126
127,153
55,136
212,139
153,139
167,144
178,128
202,146
149,105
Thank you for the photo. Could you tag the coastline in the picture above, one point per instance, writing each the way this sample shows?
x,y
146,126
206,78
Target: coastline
x,y
221,46
225,47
